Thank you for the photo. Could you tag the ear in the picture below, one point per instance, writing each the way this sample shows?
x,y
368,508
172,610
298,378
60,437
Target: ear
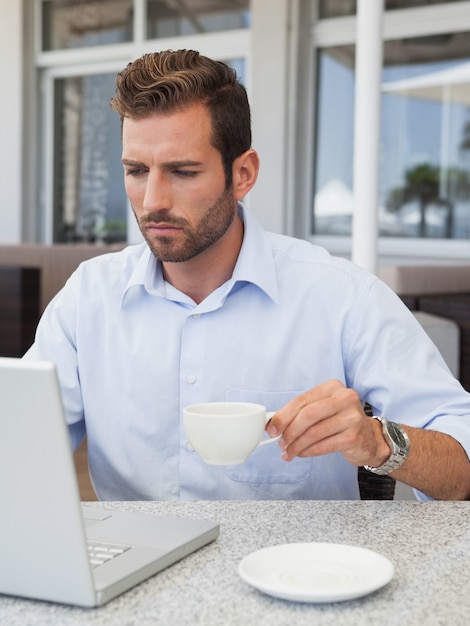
x,y
245,172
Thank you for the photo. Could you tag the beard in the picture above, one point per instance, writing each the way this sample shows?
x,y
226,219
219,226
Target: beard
x,y
196,239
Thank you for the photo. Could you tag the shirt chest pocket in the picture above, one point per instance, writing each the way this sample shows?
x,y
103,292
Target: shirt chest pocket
x,y
265,465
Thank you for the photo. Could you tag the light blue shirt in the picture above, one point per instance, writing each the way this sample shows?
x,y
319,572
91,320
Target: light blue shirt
x,y
132,351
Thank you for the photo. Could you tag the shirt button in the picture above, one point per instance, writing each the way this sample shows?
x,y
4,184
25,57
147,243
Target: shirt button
x,y
196,316
191,378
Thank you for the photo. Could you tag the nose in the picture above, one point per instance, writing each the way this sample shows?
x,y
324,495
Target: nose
x,y
157,195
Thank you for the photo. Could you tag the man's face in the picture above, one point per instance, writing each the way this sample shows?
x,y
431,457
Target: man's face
x,y
175,182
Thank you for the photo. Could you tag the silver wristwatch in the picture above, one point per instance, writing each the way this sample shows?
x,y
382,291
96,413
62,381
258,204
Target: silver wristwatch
x,y
399,444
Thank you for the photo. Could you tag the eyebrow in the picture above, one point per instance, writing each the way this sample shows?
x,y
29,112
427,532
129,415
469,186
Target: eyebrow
x,y
168,164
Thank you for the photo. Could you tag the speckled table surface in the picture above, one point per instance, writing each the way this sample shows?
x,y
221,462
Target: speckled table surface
x,y
428,543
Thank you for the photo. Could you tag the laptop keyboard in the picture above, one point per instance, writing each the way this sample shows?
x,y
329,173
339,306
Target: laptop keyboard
x,y
100,552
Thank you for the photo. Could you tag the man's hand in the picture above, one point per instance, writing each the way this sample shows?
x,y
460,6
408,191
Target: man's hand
x,y
329,418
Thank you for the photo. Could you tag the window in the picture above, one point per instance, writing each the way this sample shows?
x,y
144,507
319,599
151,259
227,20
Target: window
x,y
67,24
338,8
425,136
172,19
89,198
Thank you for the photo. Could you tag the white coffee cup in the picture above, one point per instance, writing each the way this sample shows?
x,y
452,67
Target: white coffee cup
x,y
226,433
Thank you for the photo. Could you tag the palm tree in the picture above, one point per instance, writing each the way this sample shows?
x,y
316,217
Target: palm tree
x,y
421,184
465,145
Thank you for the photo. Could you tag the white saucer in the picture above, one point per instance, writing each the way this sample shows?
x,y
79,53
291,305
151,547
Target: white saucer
x,y
316,572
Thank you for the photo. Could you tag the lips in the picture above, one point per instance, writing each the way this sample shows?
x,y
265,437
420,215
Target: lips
x,y
162,228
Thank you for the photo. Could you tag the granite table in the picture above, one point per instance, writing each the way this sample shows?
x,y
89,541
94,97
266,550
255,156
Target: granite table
x,y
428,543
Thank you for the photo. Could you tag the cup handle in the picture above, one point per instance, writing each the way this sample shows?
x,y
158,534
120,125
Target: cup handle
x,y
269,439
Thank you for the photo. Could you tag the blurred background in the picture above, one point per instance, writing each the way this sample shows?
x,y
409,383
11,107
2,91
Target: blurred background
x,y
61,177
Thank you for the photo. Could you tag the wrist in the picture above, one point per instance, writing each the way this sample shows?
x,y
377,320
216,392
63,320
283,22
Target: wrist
x,y
398,443
383,449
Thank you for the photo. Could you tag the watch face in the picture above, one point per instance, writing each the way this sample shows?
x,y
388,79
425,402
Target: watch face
x,y
399,443
397,435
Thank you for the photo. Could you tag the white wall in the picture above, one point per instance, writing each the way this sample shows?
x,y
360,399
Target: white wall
x,y
11,53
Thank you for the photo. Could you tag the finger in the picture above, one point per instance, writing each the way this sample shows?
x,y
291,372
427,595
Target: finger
x,y
289,412
332,434
324,417
304,449
340,425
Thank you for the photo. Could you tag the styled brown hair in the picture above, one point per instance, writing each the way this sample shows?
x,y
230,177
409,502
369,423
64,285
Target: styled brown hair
x,y
161,82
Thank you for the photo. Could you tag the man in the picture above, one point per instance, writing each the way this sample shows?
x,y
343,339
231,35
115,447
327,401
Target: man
x,y
211,307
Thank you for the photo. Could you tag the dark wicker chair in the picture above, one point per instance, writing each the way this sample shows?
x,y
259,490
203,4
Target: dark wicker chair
x,y
375,487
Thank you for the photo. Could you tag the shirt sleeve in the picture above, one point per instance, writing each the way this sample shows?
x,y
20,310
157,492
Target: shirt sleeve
x,y
55,341
397,369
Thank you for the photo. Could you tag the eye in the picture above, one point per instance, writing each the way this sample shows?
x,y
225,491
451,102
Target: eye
x,y
185,173
136,171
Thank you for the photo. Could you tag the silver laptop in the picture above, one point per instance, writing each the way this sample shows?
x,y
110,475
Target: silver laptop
x,y
52,547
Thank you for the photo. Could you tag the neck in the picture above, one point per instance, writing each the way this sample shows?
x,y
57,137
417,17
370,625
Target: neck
x,y
202,275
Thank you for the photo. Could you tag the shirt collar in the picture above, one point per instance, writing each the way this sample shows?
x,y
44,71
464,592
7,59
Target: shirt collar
x,y
255,264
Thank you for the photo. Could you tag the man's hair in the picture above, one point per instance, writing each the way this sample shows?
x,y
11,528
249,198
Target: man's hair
x,y
163,82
